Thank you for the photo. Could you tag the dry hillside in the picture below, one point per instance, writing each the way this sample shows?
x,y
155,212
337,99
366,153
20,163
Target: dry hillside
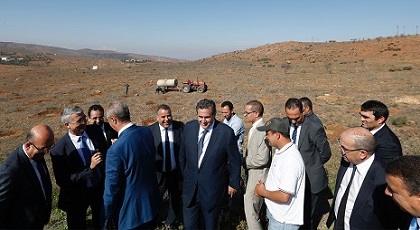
x,y
337,76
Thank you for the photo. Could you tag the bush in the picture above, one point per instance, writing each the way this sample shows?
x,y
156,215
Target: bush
x,y
399,121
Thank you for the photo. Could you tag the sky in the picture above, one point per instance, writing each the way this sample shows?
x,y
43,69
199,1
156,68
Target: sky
x,y
195,29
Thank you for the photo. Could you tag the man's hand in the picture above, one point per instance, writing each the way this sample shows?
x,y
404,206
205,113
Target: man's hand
x,y
260,189
231,191
95,160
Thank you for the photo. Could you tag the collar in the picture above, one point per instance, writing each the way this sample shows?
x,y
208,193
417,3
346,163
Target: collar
x,y
256,124
284,148
363,167
75,138
162,129
373,131
125,127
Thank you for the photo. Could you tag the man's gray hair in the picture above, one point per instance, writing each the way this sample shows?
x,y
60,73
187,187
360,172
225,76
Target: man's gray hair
x,y
119,110
68,111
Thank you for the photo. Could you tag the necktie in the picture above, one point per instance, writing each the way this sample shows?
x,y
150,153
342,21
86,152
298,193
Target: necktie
x,y
295,128
168,165
339,222
44,177
413,224
87,154
201,143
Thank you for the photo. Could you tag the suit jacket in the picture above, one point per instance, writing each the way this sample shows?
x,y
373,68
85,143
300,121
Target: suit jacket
x,y
220,167
131,189
177,129
388,145
312,116
373,209
315,150
258,157
71,174
22,202
110,133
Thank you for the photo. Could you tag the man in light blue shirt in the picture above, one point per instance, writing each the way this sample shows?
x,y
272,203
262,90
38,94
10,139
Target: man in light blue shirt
x,y
233,121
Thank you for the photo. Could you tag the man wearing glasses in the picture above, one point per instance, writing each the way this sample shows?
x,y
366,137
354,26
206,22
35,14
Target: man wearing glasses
x,y
312,143
256,162
78,171
25,184
360,201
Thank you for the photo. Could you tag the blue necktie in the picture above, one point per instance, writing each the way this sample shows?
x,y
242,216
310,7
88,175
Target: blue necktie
x,y
44,178
87,154
413,224
294,134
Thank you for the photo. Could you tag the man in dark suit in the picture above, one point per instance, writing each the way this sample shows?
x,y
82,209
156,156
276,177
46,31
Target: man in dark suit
x,y
210,165
25,184
373,115
78,171
311,140
359,198
131,189
308,111
96,117
167,160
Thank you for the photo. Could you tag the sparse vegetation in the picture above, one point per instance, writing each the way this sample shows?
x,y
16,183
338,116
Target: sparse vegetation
x,y
399,121
36,94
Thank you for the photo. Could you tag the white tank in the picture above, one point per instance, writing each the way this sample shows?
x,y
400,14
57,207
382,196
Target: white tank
x,y
167,82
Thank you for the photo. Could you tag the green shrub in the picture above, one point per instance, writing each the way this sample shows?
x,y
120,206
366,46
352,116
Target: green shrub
x,y
399,121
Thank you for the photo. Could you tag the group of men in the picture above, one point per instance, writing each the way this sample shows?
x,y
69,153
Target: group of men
x,y
122,170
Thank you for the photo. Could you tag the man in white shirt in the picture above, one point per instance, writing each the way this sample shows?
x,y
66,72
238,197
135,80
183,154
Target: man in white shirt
x,y
284,190
233,121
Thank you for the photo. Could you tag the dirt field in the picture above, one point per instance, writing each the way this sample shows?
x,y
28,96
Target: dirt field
x,y
338,77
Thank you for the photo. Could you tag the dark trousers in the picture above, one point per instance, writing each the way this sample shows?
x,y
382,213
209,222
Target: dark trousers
x,y
194,213
76,216
169,182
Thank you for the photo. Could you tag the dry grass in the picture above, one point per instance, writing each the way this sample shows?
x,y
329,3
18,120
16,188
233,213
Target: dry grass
x,y
338,77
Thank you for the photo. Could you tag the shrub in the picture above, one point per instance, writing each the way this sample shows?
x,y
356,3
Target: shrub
x,y
399,121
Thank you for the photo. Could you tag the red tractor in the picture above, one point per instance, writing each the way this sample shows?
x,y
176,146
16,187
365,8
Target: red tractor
x,y
198,86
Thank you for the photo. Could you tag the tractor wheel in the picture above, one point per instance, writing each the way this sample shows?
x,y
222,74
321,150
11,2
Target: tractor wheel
x,y
200,89
186,88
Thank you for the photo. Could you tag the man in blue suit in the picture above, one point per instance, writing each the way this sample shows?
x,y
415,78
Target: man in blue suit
x,y
210,165
131,188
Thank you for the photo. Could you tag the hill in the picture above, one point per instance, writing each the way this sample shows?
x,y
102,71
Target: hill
x,y
337,76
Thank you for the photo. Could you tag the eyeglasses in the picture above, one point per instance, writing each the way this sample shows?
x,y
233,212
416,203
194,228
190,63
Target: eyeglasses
x,y
247,113
344,150
43,149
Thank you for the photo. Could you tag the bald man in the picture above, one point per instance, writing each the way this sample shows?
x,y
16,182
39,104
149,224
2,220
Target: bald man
x,y
25,184
359,198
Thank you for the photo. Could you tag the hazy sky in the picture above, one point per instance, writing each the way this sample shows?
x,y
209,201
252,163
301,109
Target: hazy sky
x,y
196,29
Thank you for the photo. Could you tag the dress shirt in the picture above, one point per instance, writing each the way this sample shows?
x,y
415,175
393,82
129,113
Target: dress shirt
x,y
171,145
355,186
103,130
376,130
34,166
292,128
206,141
238,127
78,144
